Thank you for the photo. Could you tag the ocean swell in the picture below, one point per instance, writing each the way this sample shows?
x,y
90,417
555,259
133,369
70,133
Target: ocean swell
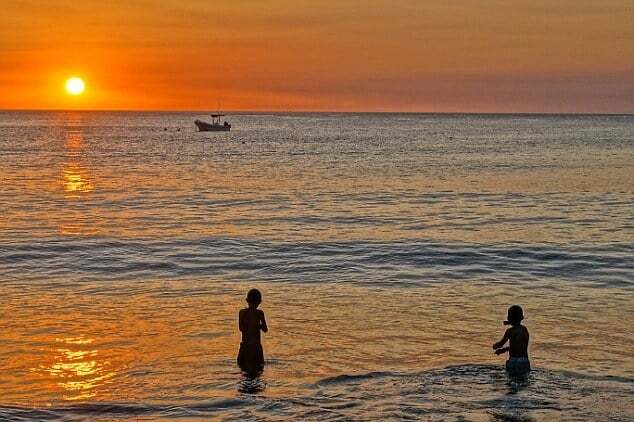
x,y
386,263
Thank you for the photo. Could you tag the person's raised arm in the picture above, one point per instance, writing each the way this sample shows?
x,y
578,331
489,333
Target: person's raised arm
x,y
500,343
263,322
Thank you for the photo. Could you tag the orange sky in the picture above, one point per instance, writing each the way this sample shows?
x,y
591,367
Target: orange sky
x,y
374,55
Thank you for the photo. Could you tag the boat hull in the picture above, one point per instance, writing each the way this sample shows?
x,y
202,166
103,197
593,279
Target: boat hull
x,y
209,127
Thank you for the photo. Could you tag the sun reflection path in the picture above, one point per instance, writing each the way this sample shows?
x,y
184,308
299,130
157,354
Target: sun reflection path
x,y
75,176
75,180
76,183
77,368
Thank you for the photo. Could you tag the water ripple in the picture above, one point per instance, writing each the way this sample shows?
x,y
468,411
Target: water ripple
x,y
398,262
464,391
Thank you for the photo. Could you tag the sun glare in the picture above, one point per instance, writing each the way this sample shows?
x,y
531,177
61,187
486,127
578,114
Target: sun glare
x,y
75,86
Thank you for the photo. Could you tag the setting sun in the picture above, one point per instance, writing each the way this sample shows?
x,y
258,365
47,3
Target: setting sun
x,y
75,86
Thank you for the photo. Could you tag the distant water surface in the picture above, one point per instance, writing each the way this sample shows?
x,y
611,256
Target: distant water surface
x,y
387,247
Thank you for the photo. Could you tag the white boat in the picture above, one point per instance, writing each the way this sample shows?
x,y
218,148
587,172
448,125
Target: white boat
x,y
214,126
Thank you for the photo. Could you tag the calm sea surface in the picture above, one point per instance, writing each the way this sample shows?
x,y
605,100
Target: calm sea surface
x,y
387,248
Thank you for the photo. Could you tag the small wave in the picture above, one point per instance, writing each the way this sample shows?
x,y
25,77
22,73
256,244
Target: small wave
x,y
455,392
466,391
93,410
339,379
391,263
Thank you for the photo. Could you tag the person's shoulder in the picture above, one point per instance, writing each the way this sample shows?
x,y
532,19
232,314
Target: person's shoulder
x,y
517,330
514,330
260,312
242,311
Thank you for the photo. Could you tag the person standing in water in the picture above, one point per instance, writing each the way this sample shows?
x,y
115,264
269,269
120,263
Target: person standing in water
x,y
517,336
250,321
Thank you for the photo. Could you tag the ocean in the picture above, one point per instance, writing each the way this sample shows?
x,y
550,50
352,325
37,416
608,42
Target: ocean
x,y
387,247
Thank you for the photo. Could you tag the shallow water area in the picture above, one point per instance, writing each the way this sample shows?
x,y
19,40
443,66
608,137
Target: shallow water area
x,y
466,393
387,248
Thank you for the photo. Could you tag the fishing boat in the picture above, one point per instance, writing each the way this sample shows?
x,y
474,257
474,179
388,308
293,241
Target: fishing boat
x,y
214,126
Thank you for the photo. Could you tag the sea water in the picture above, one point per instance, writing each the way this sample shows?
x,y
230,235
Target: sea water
x,y
387,248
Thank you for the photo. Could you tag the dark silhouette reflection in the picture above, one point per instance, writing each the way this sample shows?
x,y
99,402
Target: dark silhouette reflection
x,y
518,365
517,383
251,384
251,321
513,417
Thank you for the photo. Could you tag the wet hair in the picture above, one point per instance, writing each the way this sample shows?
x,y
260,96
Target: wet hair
x,y
254,296
515,315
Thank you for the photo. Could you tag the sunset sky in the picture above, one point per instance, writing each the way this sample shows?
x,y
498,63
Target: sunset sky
x,y
372,55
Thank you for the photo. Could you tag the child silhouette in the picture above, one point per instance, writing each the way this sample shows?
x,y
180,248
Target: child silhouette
x,y
517,336
251,321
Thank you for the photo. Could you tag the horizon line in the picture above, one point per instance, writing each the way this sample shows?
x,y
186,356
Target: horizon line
x,y
298,111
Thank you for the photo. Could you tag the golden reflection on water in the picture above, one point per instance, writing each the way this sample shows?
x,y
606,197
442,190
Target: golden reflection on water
x,y
167,343
77,368
76,182
75,175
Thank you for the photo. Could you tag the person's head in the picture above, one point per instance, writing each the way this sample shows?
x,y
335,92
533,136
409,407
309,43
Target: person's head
x,y
514,316
254,298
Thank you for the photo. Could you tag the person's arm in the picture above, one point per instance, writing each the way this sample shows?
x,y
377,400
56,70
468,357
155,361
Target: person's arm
x,y
263,322
241,320
500,343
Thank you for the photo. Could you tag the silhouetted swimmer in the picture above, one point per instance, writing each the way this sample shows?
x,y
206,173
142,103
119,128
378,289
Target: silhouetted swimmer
x,y
517,336
251,321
